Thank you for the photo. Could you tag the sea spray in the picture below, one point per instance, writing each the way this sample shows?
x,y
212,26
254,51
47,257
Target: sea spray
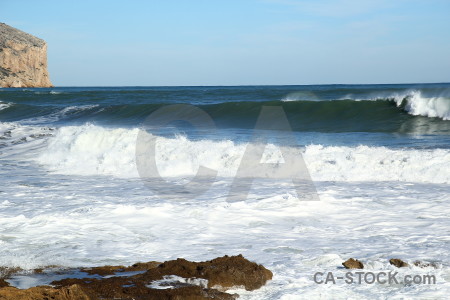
x,y
95,150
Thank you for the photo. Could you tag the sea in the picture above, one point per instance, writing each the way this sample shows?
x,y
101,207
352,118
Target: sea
x,y
377,156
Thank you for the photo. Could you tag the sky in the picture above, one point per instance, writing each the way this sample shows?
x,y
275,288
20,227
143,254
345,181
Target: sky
x,y
238,42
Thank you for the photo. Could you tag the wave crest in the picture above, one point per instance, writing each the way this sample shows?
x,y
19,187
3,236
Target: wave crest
x,y
417,105
5,105
94,150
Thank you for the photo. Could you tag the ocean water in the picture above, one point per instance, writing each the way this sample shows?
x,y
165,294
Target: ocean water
x,y
378,156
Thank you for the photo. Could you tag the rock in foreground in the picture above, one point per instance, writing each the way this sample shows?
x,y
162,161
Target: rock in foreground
x,y
175,279
43,292
23,59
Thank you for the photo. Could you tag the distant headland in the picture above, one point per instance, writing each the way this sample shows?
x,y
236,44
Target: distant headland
x,y
23,59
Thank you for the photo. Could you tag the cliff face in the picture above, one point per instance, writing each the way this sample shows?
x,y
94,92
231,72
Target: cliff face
x,y
23,59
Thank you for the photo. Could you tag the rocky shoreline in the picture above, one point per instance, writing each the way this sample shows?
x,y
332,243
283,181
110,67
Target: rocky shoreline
x,y
175,279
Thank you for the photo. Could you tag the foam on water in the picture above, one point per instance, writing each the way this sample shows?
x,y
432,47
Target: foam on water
x,y
95,150
173,281
4,105
416,104
23,140
83,221
73,217
436,107
60,114
71,196
298,96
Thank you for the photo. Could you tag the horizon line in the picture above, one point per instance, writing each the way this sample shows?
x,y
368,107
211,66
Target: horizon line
x,y
244,85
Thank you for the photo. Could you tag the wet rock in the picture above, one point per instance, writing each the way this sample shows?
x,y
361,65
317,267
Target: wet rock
x,y
398,263
44,292
116,270
3,283
175,279
223,272
352,263
132,288
422,264
6,272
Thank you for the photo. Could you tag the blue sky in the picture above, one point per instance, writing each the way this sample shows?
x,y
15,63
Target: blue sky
x,y
231,42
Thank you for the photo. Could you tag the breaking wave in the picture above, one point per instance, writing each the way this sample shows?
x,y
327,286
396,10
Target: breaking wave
x,y
434,107
4,105
95,150
409,111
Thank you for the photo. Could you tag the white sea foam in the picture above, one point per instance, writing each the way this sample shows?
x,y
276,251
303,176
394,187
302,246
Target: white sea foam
x,y
74,109
72,221
24,138
364,163
173,281
89,221
52,92
376,203
415,103
94,150
300,96
435,107
91,150
4,105
61,114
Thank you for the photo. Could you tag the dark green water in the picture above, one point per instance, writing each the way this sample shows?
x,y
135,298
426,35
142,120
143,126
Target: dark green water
x,y
374,114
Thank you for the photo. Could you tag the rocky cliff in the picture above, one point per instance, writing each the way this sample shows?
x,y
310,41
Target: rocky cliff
x,y
23,59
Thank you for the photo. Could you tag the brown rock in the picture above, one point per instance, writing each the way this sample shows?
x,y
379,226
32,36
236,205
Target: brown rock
x,y
422,264
132,288
352,263
3,283
44,292
6,272
221,273
398,263
23,59
111,270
